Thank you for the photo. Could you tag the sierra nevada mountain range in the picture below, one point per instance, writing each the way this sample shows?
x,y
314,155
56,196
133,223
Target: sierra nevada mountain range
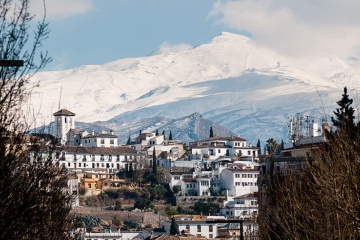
x,y
230,81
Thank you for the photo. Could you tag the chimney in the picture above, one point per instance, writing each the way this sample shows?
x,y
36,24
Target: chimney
x,y
92,132
111,132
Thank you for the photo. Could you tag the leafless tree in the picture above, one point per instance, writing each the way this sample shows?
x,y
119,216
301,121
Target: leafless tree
x,y
316,197
33,200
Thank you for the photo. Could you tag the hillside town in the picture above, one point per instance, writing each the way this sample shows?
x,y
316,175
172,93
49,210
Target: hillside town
x,y
224,167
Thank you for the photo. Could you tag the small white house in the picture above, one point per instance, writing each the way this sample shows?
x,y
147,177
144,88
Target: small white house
x,y
102,139
199,227
239,179
244,206
223,147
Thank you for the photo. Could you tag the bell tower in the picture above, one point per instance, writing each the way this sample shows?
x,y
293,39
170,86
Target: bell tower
x,y
64,121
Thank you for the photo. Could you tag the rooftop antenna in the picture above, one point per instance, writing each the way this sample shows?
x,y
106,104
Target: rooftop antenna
x,y
60,98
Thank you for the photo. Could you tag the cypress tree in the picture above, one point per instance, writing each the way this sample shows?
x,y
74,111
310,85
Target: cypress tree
x,y
174,227
170,136
163,133
157,132
259,146
128,141
154,163
211,132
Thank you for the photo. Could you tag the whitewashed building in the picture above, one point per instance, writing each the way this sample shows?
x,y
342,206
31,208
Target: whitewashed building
x,y
239,179
244,206
99,158
196,226
223,147
102,139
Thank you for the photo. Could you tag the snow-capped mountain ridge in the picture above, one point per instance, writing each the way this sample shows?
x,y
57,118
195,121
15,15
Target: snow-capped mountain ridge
x,y
229,80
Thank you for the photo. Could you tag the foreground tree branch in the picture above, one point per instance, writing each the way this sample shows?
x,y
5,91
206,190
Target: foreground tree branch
x,y
34,203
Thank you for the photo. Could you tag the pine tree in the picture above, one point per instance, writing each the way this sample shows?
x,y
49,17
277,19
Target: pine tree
x,y
157,132
154,163
211,132
259,146
174,227
128,141
344,119
163,133
170,136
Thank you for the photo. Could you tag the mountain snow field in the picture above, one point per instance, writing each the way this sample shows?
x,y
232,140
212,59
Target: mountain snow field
x,y
230,81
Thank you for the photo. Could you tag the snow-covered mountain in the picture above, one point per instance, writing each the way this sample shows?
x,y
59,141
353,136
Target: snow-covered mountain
x,y
230,81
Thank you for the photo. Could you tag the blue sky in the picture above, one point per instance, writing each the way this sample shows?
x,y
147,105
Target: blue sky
x,y
85,32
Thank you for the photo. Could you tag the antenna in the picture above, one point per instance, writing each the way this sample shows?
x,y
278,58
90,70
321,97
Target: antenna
x,y
60,98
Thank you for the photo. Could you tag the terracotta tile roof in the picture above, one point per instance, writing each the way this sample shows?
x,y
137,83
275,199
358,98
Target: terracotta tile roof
x,y
232,138
242,170
76,131
64,112
247,195
97,150
100,135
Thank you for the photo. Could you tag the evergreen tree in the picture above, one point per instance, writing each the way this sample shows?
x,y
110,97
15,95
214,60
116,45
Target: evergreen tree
x,y
282,145
344,119
211,132
157,132
163,133
259,146
174,227
154,163
170,136
128,141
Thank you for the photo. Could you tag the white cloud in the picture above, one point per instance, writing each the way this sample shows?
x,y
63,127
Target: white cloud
x,y
296,27
60,8
167,47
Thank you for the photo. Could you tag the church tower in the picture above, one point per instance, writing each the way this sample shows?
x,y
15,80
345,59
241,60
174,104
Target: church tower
x,y
64,121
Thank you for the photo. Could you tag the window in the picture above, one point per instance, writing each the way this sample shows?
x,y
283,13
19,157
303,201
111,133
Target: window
x,y
253,202
243,175
210,228
68,164
102,157
249,175
111,141
237,175
256,175
187,227
117,158
199,228
177,178
79,164
237,183
110,157
249,153
65,120
102,141
219,151
210,236
204,183
89,185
